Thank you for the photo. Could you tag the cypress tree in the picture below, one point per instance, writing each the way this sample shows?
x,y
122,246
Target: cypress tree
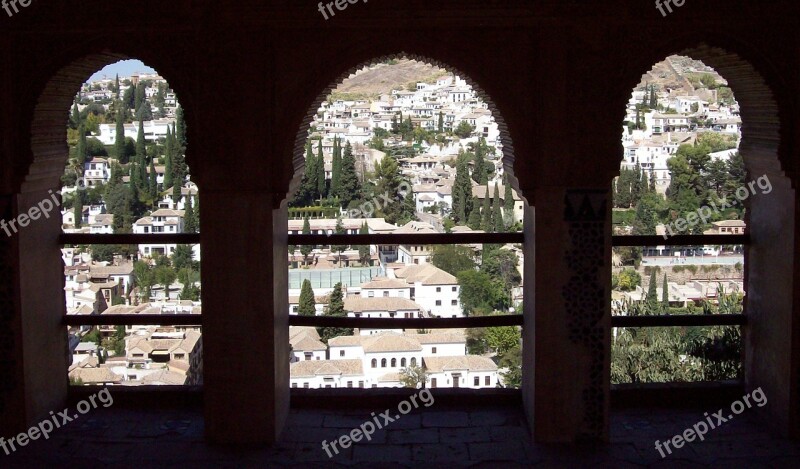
x,y
306,249
80,148
320,167
78,213
462,191
665,295
441,122
335,309
480,174
307,303
652,182
180,130
336,168
474,221
119,139
116,87
169,146
75,119
189,220
486,212
363,250
508,204
651,300
153,183
349,185
497,215
141,146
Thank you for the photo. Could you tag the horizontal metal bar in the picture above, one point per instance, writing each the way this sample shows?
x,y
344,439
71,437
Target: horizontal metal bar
x,y
678,320
681,240
416,239
407,323
133,320
178,238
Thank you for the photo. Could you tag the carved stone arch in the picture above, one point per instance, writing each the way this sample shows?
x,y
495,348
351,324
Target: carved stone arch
x,y
298,153
47,131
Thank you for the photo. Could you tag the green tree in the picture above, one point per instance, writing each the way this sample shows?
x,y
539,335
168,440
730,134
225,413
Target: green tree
x,y
629,279
651,300
189,217
462,191
169,151
463,129
179,131
479,295
502,339
78,214
474,220
153,183
306,249
349,185
414,377
388,187
81,150
335,309
508,204
75,117
144,278
497,214
339,248
502,266
453,258
183,257
665,295
363,250
307,302
320,169
440,126
486,213
336,168
119,139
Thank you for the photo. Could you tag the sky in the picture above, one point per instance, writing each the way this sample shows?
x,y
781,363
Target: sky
x,y
124,68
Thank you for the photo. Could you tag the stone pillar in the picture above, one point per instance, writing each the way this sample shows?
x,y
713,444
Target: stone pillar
x,y
567,337
245,315
770,300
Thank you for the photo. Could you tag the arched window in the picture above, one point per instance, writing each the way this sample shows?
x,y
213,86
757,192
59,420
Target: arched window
x,y
680,163
127,174
413,361
383,363
374,363
403,362
440,127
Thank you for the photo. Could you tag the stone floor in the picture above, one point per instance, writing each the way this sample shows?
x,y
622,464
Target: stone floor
x,y
489,438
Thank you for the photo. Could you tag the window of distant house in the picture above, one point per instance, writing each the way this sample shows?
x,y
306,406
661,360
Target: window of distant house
x,y
374,363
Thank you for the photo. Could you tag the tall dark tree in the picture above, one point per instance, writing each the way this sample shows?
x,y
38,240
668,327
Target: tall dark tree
x,y
179,168
169,149
474,220
462,191
153,183
307,303
81,149
320,167
339,248
189,219
440,127
75,117
651,300
139,97
497,214
349,185
335,309
480,173
179,130
116,88
486,212
665,295
306,249
508,204
363,250
119,138
78,213
336,168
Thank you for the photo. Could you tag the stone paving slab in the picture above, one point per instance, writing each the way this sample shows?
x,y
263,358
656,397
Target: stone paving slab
x,y
490,438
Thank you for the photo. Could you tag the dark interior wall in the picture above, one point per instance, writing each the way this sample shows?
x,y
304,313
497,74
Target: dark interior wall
x,y
558,73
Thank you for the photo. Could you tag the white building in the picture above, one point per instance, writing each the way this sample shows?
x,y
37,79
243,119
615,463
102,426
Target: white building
x,y
161,221
435,290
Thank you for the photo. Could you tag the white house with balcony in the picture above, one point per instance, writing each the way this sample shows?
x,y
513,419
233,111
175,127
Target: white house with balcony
x,y
96,171
162,221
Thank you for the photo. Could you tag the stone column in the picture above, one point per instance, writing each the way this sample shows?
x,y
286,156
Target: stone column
x,y
245,315
567,335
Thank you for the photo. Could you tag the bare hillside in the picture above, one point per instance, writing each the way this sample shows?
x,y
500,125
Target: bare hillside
x,y
385,77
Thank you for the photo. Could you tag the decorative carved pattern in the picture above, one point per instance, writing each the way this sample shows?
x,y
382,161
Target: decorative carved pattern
x,y
584,297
